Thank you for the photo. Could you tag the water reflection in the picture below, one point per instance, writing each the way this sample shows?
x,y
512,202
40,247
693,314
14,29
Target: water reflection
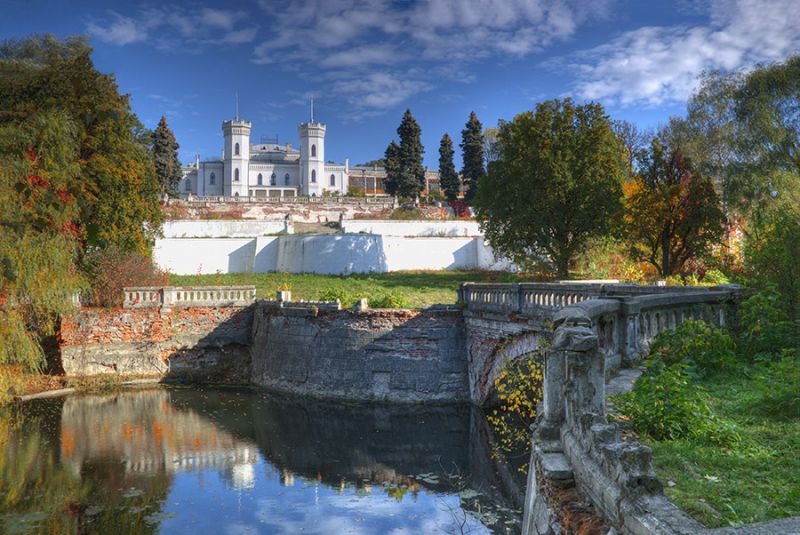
x,y
181,460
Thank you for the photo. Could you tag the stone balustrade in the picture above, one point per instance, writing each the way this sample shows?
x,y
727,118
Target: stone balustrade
x,y
573,443
189,296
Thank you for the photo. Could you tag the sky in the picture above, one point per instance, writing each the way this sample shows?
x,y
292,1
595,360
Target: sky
x,y
365,61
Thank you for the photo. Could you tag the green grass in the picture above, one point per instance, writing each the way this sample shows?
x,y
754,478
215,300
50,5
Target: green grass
x,y
419,288
756,480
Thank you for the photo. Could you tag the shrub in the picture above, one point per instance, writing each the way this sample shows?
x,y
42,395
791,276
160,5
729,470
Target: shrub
x,y
714,277
700,347
766,327
354,191
390,299
333,293
665,405
112,269
460,209
606,258
406,214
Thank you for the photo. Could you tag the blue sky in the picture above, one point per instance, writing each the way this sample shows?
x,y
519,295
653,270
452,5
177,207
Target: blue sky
x,y
366,61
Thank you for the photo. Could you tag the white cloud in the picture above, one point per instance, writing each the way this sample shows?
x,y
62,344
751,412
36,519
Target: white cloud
x,y
660,64
119,31
172,27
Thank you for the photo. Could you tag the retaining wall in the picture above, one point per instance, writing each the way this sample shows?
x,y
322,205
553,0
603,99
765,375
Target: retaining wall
x,y
330,254
387,355
197,342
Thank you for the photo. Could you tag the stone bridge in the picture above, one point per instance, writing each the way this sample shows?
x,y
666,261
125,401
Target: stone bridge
x,y
505,321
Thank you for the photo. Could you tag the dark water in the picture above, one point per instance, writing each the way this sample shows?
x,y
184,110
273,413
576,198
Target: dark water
x,y
180,460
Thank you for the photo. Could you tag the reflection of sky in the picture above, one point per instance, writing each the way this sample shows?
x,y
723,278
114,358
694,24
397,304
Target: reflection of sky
x,y
205,501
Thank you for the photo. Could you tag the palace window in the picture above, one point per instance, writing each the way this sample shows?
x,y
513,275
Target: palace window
x,y
286,179
333,180
236,175
236,149
260,180
313,151
313,175
273,180
212,179
188,185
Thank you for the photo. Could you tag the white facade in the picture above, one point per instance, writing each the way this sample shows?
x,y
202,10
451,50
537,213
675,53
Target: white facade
x,y
267,169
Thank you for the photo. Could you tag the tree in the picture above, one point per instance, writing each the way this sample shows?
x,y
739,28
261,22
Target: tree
x,y
634,142
165,158
405,175
672,213
392,166
412,175
117,188
555,184
39,185
373,163
448,178
472,155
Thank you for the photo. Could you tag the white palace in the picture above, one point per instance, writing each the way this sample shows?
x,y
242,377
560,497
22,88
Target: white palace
x,y
266,169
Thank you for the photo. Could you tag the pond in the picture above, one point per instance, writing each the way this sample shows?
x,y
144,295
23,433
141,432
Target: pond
x,y
230,461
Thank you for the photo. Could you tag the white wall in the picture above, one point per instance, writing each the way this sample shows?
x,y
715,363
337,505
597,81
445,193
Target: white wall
x,y
221,228
413,228
332,254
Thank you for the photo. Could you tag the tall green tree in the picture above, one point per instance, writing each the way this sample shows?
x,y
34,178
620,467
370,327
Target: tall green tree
x,y
672,213
165,158
412,174
472,145
556,183
391,162
118,188
448,177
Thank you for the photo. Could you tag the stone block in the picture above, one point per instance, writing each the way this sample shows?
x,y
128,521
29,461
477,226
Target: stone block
x,y
555,466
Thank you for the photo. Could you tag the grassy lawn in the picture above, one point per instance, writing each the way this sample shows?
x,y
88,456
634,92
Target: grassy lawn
x,y
757,480
419,288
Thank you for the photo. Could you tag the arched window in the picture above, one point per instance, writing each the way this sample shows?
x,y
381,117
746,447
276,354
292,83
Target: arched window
x,y
236,149
260,180
212,179
236,194
313,151
286,179
313,175
188,184
236,175
273,180
333,180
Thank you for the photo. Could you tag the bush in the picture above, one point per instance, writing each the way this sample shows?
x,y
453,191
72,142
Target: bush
x,y
389,299
354,191
665,405
112,269
714,277
406,214
766,327
606,258
333,293
700,347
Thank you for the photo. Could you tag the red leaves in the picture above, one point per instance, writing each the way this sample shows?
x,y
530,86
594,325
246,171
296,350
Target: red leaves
x,y
37,181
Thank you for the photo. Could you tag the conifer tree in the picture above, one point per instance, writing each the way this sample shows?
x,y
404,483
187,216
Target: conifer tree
x,y
472,152
392,165
411,177
448,178
165,158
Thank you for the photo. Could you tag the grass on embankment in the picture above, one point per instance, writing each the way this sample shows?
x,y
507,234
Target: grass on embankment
x,y
756,480
419,288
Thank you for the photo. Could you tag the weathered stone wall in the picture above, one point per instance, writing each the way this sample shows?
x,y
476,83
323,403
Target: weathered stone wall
x,y
388,355
197,342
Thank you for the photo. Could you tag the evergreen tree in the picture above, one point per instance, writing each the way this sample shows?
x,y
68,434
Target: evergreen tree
x,y
165,158
448,178
411,177
472,152
392,165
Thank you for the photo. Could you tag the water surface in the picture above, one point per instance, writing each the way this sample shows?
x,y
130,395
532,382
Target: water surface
x,y
183,460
